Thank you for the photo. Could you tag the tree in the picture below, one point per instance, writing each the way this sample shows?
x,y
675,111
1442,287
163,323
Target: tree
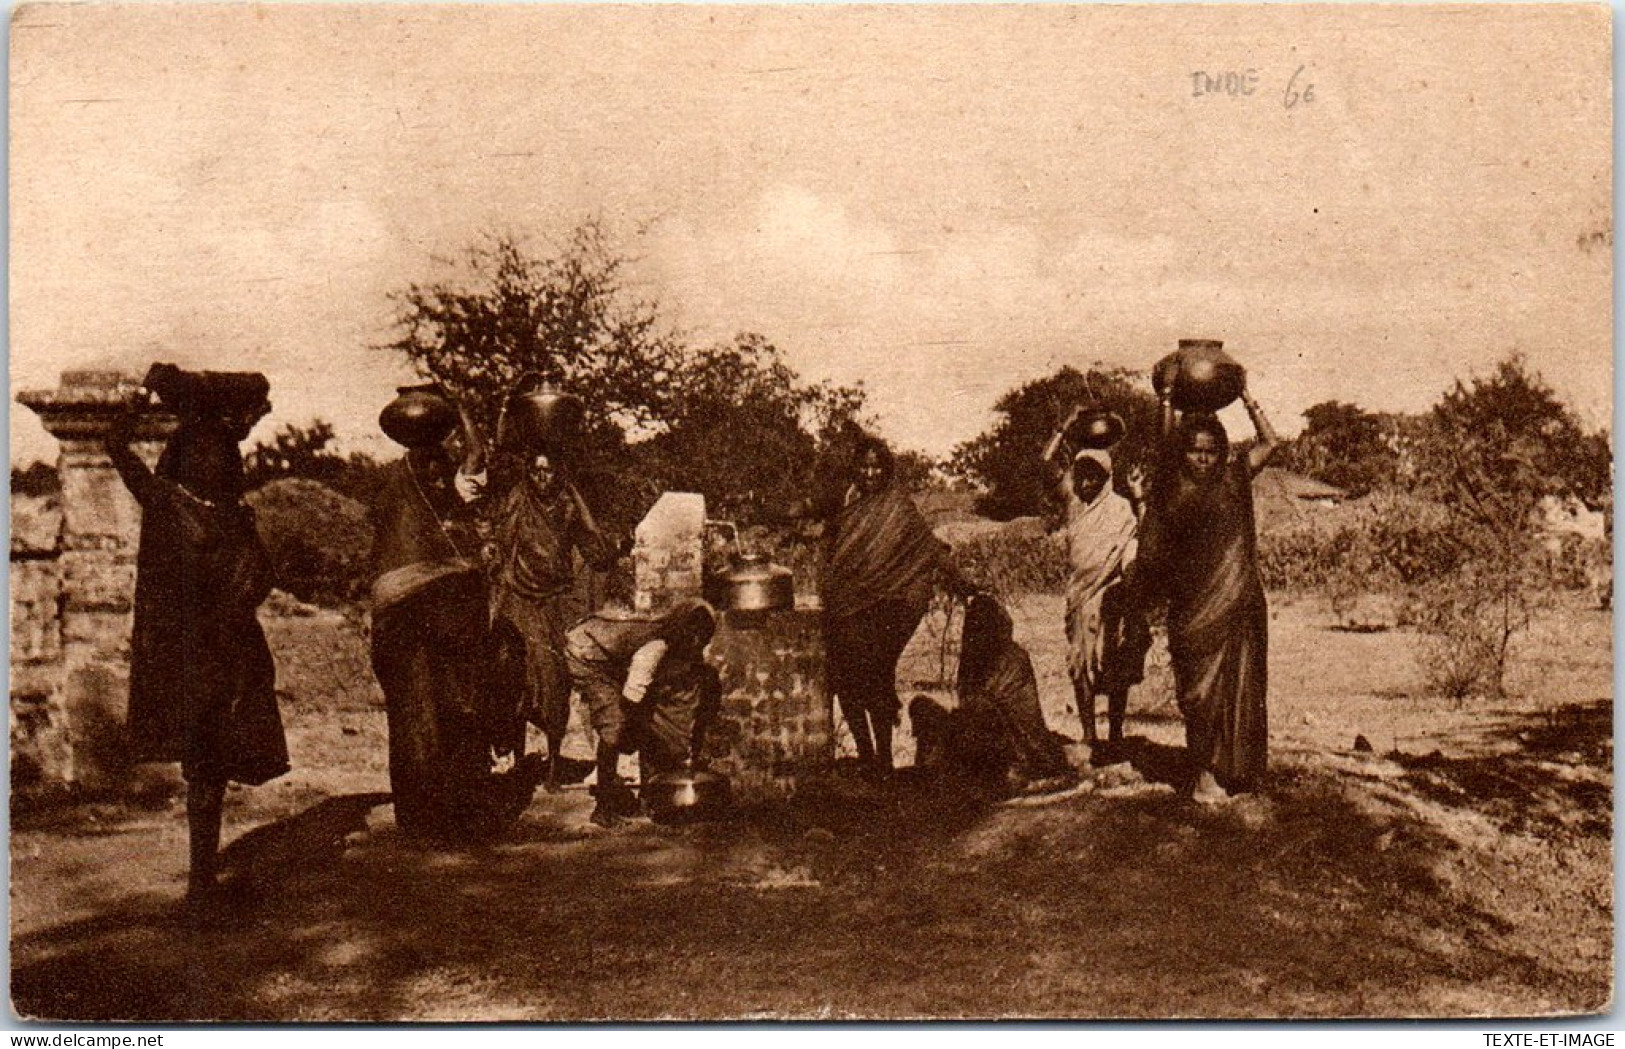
x,y
1505,442
504,314
743,429
294,451
1007,460
1492,451
733,421
1345,446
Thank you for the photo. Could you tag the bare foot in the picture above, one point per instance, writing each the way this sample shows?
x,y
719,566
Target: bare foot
x,y
1208,791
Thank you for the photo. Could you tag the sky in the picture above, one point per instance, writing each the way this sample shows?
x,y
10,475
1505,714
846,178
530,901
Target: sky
x,y
941,202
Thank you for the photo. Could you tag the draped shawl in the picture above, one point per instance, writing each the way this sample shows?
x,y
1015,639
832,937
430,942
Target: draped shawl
x,y
879,547
1100,542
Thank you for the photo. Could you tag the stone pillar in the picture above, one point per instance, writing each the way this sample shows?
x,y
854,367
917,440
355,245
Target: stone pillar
x,y
668,555
96,548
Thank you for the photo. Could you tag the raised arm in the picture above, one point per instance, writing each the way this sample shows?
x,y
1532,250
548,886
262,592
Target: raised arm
x,y
599,551
1268,442
474,451
131,470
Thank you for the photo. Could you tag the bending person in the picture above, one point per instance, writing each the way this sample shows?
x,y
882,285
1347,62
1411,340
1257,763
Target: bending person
x,y
649,692
1200,546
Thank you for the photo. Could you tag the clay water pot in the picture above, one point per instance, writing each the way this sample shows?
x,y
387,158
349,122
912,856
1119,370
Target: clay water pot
x,y
1199,376
1095,428
418,417
191,394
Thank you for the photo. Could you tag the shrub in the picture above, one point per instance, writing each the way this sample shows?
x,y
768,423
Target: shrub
x,y
1384,542
1011,564
1466,624
318,539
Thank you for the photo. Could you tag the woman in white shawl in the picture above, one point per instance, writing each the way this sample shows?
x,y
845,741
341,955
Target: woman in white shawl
x,y
1107,637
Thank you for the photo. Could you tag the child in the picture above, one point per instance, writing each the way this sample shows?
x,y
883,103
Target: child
x,y
1106,634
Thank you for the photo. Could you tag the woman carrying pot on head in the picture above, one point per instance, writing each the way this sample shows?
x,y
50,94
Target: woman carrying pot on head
x,y
202,682
1199,549
881,566
448,679
541,522
1106,632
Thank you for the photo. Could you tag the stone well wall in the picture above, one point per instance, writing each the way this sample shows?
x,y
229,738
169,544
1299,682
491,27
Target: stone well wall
x,y
776,724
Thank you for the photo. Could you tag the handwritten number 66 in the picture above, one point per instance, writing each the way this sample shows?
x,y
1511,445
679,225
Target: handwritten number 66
x,y
1293,96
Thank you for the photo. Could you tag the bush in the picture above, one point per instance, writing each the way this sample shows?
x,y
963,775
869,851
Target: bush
x,y
1466,624
1386,541
1011,564
1579,563
318,539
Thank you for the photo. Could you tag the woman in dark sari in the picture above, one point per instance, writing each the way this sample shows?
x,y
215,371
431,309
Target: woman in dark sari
x,y
202,682
542,523
881,566
449,681
1199,550
997,736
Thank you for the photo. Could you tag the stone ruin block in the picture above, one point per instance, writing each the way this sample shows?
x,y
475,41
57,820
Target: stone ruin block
x,y
668,553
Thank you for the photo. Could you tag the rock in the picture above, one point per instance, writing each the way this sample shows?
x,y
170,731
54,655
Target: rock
x,y
1118,776
1362,745
282,603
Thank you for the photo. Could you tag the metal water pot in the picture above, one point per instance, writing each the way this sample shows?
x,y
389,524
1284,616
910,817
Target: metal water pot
x,y
752,583
546,417
686,794
757,585
1199,376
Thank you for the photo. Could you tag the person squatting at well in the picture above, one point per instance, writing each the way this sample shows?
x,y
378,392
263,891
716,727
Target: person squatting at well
x,y
202,682
1199,549
996,738
449,679
541,522
648,690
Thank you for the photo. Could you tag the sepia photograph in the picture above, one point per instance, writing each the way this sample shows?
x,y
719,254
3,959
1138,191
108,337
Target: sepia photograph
x,y
530,513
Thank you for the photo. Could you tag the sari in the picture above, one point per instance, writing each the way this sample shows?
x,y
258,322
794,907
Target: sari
x,y
448,681
1106,637
998,733
537,534
880,570
1201,543
202,681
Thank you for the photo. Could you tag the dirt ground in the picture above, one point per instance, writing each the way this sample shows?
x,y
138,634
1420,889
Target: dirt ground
x,y
1460,866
